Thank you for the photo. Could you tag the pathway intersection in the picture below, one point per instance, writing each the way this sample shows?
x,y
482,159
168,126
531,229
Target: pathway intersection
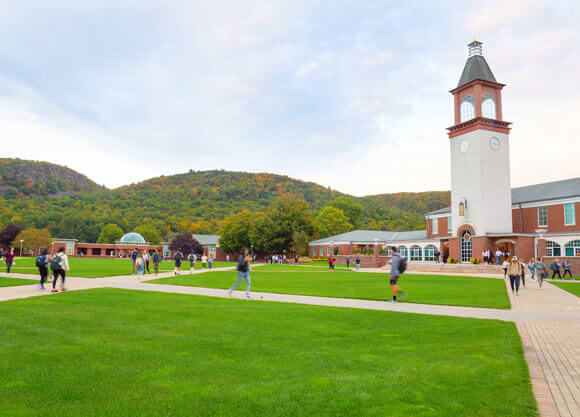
x,y
548,321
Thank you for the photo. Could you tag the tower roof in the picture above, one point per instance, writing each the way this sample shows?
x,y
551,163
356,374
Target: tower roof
x,y
476,67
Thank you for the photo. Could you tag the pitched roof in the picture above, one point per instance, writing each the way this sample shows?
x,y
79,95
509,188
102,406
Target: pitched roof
x,y
476,68
206,240
538,192
370,236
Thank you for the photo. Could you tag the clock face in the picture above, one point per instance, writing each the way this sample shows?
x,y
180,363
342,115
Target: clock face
x,y
494,144
464,146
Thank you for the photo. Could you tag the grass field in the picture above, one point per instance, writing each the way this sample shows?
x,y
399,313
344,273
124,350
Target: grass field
x,y
12,282
100,267
292,267
571,287
427,289
111,352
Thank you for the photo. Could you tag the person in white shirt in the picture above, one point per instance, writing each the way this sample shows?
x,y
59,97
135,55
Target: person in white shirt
x,y
203,261
59,264
505,266
498,255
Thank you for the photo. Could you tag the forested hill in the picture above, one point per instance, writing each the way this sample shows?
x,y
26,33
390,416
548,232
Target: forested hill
x,y
419,203
22,179
197,202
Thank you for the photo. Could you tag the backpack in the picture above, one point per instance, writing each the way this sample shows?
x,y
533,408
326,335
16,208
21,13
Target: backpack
x,y
402,265
139,261
56,263
41,260
190,258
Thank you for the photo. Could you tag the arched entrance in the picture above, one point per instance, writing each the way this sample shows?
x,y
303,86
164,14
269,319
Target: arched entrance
x,y
507,247
466,247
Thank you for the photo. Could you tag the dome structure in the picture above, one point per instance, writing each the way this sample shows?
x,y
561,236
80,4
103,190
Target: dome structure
x,y
133,237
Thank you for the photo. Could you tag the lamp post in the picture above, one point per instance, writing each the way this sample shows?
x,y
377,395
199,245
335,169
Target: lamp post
x,y
21,240
252,251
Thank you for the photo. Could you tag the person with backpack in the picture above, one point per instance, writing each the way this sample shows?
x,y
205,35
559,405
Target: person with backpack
x,y
555,267
331,264
9,259
134,259
398,266
192,259
178,257
540,270
156,261
59,266
357,262
567,269
140,263
42,265
243,269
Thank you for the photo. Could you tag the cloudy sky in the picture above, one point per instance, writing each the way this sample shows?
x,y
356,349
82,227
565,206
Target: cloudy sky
x,y
342,93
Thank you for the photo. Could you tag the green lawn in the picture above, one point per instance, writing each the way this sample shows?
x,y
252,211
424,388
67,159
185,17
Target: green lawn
x,y
571,287
111,352
293,267
12,282
427,289
101,267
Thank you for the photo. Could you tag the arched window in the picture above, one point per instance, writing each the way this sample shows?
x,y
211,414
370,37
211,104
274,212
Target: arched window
x,y
553,249
467,108
465,246
430,253
573,248
416,253
488,106
403,252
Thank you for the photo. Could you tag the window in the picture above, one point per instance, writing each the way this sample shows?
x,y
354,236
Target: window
x,y
403,252
573,248
435,227
467,108
543,216
569,214
552,248
465,247
430,253
314,251
416,253
488,106
448,224
328,251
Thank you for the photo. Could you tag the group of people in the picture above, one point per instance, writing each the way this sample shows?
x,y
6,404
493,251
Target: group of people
x,y
142,260
206,261
347,259
488,257
278,259
516,270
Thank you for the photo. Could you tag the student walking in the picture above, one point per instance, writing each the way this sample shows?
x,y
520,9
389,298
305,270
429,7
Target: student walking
x,y
243,269
531,268
398,266
156,261
555,267
192,259
331,264
146,259
134,259
42,265
515,272
524,266
347,260
540,269
505,266
210,261
9,259
140,263
567,266
59,266
203,261
178,257
357,262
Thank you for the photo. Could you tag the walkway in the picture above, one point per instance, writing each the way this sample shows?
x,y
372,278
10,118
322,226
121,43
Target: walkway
x,y
548,321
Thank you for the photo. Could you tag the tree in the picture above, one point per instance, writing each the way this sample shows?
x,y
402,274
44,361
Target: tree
x,y
9,233
331,221
149,233
186,244
34,239
351,209
300,242
235,232
10,193
111,233
272,231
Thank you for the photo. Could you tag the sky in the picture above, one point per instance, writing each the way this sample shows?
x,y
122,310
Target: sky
x,y
351,95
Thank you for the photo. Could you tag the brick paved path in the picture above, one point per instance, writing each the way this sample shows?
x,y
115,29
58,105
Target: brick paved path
x,y
548,321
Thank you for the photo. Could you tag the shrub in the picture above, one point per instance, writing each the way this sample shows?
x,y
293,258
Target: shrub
x,y
474,261
451,260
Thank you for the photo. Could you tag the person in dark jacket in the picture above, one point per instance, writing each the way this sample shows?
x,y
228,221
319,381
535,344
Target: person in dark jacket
x,y
567,269
555,267
178,257
42,264
9,259
243,269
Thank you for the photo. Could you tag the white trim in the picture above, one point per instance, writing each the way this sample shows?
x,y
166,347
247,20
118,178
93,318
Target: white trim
x,y
437,216
547,202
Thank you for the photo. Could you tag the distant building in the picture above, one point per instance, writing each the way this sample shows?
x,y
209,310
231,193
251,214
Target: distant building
x,y
485,212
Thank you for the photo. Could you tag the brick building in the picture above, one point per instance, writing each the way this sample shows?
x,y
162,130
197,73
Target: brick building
x,y
485,213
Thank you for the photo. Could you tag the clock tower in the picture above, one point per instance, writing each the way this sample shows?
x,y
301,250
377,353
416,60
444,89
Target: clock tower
x,y
479,141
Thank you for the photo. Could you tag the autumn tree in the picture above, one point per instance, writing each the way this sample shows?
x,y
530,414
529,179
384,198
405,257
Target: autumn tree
x,y
331,221
186,244
149,233
111,233
33,239
235,232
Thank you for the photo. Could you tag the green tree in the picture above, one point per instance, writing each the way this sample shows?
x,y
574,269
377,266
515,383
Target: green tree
x,y
331,221
111,233
34,239
351,209
300,241
235,232
150,233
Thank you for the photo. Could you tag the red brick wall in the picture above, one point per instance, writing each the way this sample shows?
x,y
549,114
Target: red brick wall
x,y
555,219
442,228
